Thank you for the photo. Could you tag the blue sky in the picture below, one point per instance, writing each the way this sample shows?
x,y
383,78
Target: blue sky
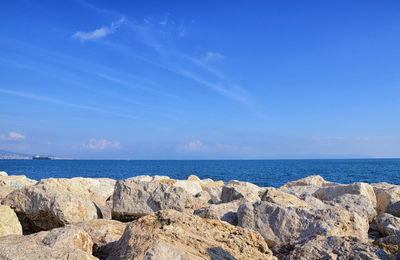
x,y
200,79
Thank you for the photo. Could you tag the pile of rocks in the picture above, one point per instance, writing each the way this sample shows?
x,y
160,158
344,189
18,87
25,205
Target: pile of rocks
x,y
155,217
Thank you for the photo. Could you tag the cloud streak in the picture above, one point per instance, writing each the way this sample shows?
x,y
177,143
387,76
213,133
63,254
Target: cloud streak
x,y
98,33
12,136
101,144
61,102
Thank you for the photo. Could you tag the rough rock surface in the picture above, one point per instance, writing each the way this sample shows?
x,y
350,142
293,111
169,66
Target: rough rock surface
x,y
279,224
192,187
104,233
40,207
97,190
312,180
282,198
9,223
394,209
388,224
235,190
69,242
357,188
133,199
226,212
386,194
332,247
13,182
388,244
170,234
3,173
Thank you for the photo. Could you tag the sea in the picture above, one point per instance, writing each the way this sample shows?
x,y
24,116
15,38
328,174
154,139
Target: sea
x,y
263,173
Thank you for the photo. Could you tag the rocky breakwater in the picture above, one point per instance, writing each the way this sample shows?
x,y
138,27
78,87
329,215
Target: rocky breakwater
x,y
155,217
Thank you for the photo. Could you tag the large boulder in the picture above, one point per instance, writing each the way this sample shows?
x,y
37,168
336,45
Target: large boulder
x,y
225,212
388,224
97,190
388,244
104,234
282,198
312,180
9,183
386,194
3,173
332,247
133,199
170,234
69,242
394,209
9,223
192,187
40,207
357,188
235,190
280,224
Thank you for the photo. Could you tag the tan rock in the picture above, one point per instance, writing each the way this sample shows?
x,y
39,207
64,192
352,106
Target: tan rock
x,y
97,190
194,178
388,225
358,188
40,207
225,212
386,194
282,198
280,224
332,247
9,223
133,199
104,234
312,180
192,187
61,243
2,174
13,182
234,190
170,234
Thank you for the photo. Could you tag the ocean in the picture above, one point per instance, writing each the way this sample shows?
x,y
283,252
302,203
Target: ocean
x,y
260,172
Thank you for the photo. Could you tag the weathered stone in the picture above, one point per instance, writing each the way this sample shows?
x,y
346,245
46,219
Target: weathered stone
x,y
9,223
61,243
204,197
387,224
192,187
215,194
360,205
226,212
388,244
104,234
40,207
386,194
358,188
207,181
279,224
282,198
193,178
2,173
133,199
169,234
235,190
394,209
13,182
97,190
332,247
312,180
301,191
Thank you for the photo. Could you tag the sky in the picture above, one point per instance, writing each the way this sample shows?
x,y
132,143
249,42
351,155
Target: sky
x,y
271,79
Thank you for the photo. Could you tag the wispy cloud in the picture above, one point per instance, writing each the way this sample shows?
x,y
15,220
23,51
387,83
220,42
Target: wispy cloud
x,y
193,146
98,33
101,144
61,102
12,136
212,56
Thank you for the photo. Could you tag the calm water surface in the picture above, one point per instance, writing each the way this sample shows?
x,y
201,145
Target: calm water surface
x,y
261,172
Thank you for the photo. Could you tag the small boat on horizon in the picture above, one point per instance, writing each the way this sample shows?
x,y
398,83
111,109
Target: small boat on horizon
x,y
37,157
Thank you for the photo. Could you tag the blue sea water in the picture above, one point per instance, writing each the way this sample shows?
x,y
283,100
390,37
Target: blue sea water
x,y
261,172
